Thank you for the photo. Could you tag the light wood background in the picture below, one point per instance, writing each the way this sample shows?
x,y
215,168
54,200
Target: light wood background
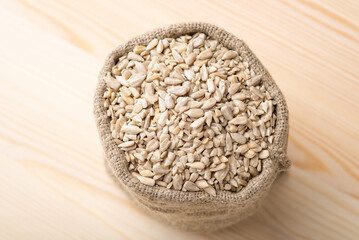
x,y
52,181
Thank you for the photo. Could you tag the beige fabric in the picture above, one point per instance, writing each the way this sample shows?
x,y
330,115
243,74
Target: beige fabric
x,y
195,210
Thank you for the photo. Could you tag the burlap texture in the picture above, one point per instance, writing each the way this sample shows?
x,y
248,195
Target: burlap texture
x,y
195,210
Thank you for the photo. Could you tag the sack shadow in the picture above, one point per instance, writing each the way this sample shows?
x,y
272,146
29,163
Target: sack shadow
x,y
264,224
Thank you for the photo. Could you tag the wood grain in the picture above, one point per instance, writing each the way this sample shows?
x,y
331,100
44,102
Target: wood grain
x,y
52,181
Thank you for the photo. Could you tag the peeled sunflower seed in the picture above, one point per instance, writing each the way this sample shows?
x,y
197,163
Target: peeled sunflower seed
x,y
196,165
190,186
130,129
205,54
209,103
179,90
126,144
264,154
135,57
254,80
152,44
229,55
195,113
173,81
112,82
199,122
146,180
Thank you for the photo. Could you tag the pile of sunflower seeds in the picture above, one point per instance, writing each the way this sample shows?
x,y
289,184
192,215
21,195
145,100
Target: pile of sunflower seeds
x,y
190,115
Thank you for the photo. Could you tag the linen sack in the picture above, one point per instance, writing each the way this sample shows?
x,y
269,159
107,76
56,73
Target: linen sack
x,y
195,210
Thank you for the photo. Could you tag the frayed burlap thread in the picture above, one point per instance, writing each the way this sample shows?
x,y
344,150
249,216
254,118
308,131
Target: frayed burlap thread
x,y
195,210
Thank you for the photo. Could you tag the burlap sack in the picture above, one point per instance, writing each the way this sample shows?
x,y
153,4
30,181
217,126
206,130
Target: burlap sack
x,y
195,210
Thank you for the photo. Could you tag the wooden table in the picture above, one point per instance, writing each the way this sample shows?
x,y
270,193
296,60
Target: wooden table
x,y
52,181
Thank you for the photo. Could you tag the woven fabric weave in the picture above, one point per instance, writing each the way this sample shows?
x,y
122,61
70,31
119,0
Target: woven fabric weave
x,y
195,210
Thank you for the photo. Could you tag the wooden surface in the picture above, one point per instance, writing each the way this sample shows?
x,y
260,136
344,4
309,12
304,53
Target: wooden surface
x,y
52,181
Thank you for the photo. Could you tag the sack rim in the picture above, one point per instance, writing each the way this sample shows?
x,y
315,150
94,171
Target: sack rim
x,y
115,156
